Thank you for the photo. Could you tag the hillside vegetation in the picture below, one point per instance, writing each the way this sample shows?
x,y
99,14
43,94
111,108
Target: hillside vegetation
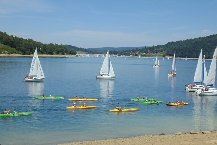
x,y
10,44
184,48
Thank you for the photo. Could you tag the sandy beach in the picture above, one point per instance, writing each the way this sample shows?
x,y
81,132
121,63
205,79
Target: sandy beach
x,y
192,138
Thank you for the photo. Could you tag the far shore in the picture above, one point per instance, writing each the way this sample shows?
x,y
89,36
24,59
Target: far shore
x,y
191,138
40,55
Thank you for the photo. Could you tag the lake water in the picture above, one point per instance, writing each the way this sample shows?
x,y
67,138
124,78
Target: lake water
x,y
51,123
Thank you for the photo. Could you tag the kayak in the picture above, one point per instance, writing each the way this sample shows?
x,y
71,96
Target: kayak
x,y
80,107
142,99
177,104
50,97
11,114
82,99
151,102
125,110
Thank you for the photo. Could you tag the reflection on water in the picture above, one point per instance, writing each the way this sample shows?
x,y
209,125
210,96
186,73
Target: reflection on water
x,y
106,88
156,73
204,114
172,81
35,88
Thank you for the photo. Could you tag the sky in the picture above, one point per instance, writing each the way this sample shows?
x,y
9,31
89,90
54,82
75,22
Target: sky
x,y
108,23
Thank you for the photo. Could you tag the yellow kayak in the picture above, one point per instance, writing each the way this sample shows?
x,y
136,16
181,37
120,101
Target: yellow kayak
x,y
125,110
82,99
80,107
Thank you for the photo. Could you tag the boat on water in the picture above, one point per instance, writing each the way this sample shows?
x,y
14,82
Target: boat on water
x,y
36,73
49,97
107,71
172,73
124,110
156,63
82,99
14,113
80,107
182,103
199,76
209,89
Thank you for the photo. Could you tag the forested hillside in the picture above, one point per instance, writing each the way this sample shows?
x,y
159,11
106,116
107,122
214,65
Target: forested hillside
x,y
185,48
10,44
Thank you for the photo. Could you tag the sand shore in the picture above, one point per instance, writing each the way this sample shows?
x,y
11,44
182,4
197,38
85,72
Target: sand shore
x,y
192,138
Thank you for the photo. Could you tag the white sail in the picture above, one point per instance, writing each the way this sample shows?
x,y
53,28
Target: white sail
x,y
107,71
210,79
198,71
111,71
36,69
174,63
156,61
105,66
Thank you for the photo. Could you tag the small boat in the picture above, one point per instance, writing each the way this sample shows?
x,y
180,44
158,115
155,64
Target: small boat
x,y
124,110
172,73
81,107
14,113
107,71
145,99
49,97
177,103
199,76
149,102
36,73
82,99
156,63
209,81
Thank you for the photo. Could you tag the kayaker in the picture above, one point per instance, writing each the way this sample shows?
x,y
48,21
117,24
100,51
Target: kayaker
x,y
43,97
6,111
118,107
84,105
74,104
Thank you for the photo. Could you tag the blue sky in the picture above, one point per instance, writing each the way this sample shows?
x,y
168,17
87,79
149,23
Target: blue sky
x,y
115,23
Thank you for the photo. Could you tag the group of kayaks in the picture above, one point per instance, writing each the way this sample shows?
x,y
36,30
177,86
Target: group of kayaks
x,y
141,100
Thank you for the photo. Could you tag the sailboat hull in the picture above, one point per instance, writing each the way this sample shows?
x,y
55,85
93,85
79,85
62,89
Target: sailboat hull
x,y
34,79
105,77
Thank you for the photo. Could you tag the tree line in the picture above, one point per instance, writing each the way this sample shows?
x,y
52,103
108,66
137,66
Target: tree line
x,y
185,48
10,44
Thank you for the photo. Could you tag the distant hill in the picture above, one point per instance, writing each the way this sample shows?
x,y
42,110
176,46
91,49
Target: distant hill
x,y
10,44
114,49
183,48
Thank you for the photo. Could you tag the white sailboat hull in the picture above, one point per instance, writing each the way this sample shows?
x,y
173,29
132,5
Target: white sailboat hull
x,y
209,92
33,79
193,88
105,77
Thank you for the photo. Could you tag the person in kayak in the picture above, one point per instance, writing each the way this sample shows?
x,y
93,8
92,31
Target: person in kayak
x,y
6,111
118,107
74,104
84,105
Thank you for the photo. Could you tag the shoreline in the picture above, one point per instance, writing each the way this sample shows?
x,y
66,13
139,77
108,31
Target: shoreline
x,y
189,138
40,55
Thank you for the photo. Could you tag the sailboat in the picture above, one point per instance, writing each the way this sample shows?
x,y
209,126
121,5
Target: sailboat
x,y
156,63
209,81
36,73
107,71
199,76
172,73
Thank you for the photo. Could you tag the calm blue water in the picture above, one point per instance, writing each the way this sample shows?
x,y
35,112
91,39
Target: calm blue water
x,y
51,123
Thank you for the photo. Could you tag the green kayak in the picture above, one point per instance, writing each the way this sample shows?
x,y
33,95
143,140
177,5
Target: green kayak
x,y
11,114
49,97
146,100
151,102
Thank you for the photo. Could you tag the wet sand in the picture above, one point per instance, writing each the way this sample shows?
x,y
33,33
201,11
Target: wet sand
x,y
192,138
